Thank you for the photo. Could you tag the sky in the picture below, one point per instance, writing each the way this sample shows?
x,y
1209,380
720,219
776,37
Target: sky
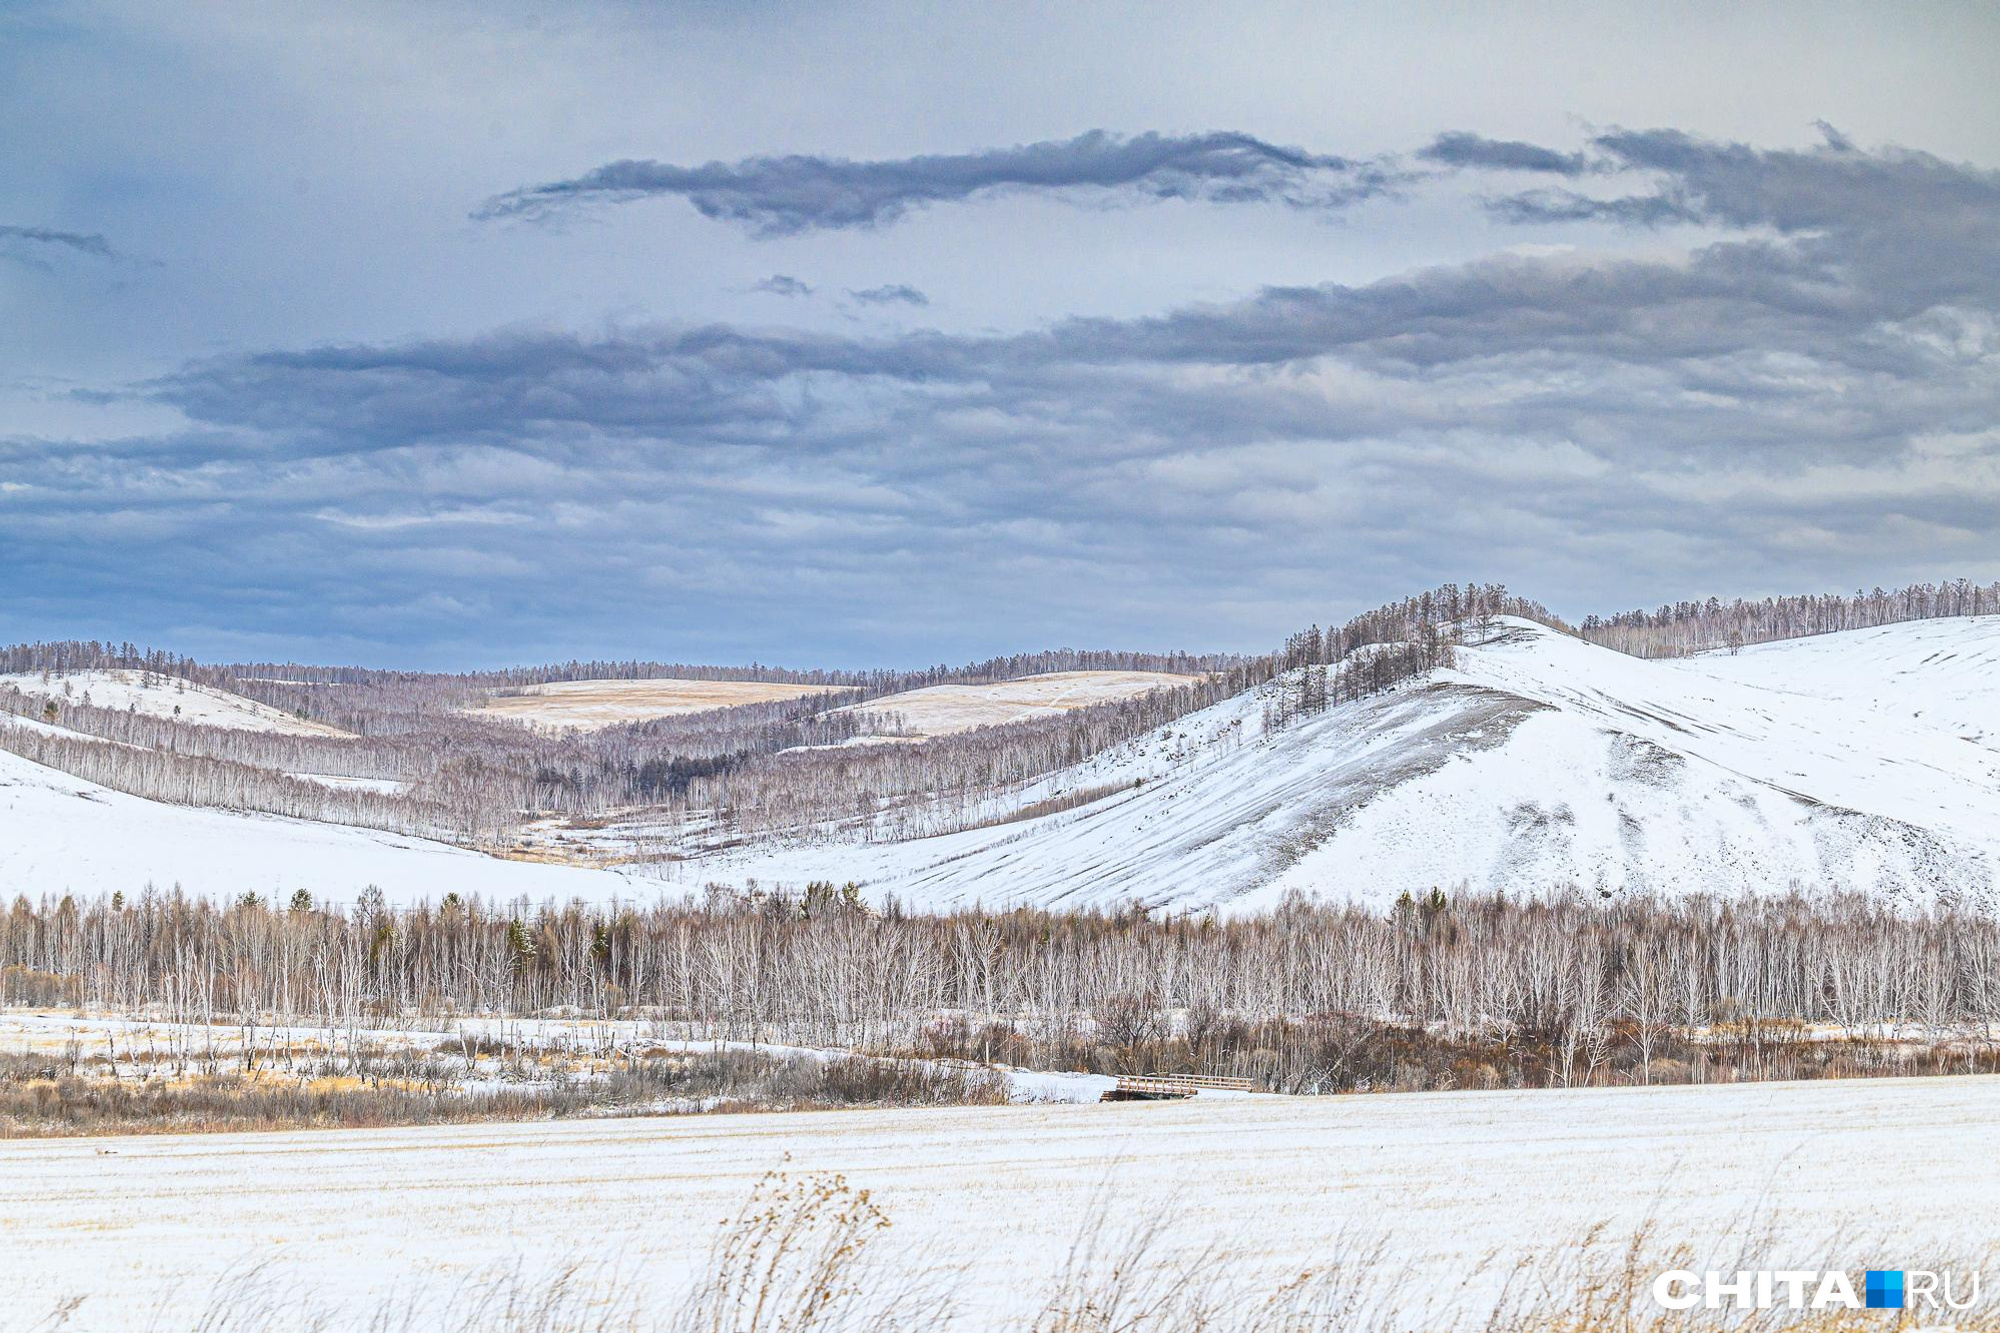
x,y
452,336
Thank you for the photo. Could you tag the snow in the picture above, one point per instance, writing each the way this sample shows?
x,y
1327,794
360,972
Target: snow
x,y
587,705
60,834
386,786
1940,673
561,1042
1457,1187
938,710
1540,764
121,689
1867,761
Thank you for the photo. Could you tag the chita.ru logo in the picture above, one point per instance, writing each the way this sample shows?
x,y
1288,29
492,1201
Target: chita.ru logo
x,y
1921,1290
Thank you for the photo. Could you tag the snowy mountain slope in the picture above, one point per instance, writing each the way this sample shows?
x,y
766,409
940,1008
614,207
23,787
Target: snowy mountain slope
x,y
1866,761
174,699
60,834
1939,672
1541,762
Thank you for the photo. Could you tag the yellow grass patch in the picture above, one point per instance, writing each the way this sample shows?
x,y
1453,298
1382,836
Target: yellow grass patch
x,y
585,705
938,710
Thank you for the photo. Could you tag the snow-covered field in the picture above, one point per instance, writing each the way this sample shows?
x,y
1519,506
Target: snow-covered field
x,y
939,710
583,705
1539,763
1458,1186
174,699
60,834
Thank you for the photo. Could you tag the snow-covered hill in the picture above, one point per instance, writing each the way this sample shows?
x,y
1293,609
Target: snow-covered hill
x,y
1858,761
60,834
1867,761
1944,673
171,698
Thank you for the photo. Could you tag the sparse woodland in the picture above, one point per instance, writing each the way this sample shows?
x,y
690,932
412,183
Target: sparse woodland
x,y
775,768
747,771
1694,627
1310,998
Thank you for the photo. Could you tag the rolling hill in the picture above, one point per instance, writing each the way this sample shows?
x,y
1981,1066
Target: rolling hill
x,y
939,710
1867,760
1540,763
66,835
169,698
588,704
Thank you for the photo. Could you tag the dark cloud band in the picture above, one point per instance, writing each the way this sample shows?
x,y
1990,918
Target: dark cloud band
x,y
1806,393
783,196
87,243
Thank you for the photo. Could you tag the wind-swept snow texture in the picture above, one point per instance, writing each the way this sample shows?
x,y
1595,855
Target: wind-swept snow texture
x,y
60,834
1865,761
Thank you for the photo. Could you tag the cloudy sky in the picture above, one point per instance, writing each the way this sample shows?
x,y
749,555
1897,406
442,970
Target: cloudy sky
x,y
882,334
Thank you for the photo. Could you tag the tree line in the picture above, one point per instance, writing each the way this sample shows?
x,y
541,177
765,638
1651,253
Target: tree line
x,y
1381,649
1567,979
1681,628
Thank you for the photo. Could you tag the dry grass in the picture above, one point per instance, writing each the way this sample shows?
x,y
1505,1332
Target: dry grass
x,y
940,710
49,1097
805,1254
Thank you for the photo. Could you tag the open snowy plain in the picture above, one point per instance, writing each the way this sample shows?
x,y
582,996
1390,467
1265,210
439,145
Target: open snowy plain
x,y
1462,1186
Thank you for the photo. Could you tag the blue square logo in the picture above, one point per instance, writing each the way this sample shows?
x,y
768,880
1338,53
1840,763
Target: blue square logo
x,y
1884,1289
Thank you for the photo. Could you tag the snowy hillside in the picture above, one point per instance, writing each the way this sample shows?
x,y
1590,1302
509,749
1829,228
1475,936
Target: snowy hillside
x,y
1943,673
938,710
64,835
1541,762
172,698
1868,760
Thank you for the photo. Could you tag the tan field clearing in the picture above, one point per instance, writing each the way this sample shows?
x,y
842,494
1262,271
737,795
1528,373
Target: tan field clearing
x,y
590,704
938,710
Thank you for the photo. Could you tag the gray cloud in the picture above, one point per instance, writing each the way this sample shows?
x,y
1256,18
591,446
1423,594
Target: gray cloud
x,y
783,196
784,284
1921,227
1811,398
1460,149
895,293
1654,210
20,240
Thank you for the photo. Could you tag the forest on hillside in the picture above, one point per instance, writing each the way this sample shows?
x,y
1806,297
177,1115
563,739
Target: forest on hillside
x,y
788,767
1681,628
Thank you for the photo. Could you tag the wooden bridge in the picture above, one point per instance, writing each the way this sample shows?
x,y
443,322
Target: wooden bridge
x,y
1166,1087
